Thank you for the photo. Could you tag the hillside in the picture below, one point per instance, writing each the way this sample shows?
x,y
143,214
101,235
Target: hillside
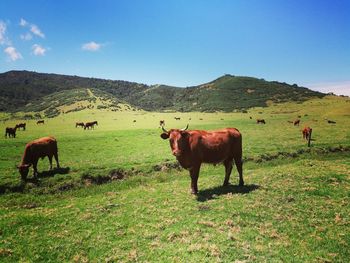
x,y
20,90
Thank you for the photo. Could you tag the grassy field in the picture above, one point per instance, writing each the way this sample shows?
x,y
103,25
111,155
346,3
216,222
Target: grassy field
x,y
116,199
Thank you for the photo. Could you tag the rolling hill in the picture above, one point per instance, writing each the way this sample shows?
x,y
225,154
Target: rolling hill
x,y
31,91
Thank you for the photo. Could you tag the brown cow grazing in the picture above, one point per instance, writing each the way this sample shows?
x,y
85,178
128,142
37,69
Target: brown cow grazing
x,y
40,148
40,122
177,118
260,121
21,125
296,122
10,132
91,125
306,133
192,148
81,124
161,123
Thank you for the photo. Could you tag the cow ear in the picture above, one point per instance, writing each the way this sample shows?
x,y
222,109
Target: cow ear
x,y
164,135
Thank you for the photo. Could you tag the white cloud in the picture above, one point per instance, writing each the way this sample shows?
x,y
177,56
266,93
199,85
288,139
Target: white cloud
x,y
338,88
27,36
91,46
12,53
32,27
23,22
36,31
38,50
3,38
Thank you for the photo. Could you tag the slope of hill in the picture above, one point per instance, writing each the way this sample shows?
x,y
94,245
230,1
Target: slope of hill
x,y
227,93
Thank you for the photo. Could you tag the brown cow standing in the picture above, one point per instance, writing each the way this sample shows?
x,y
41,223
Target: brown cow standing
x,y
40,122
21,125
296,122
40,148
89,125
192,148
81,124
260,121
10,132
306,132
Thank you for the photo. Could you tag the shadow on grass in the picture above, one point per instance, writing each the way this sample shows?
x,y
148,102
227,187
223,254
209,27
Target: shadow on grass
x,y
212,193
53,172
19,188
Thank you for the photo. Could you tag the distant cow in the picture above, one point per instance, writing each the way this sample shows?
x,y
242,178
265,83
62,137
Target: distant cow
x,y
10,132
91,125
306,132
200,119
161,123
296,122
81,124
260,121
332,122
21,125
40,122
250,117
192,148
134,121
40,148
177,118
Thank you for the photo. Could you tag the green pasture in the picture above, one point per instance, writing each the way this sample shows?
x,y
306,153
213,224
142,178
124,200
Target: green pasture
x,y
294,207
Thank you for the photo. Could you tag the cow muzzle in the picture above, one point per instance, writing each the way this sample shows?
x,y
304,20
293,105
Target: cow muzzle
x,y
176,153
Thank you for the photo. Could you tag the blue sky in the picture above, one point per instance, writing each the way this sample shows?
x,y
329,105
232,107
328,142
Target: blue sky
x,y
183,42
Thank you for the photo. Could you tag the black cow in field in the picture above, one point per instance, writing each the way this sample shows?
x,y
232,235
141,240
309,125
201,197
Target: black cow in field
x,y
81,124
91,125
177,118
161,123
331,122
40,122
262,121
296,122
10,132
21,125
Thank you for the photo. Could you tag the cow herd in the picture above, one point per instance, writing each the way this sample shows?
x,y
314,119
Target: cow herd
x,y
190,147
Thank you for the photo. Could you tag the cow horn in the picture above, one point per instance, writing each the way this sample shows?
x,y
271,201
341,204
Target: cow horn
x,y
184,129
164,130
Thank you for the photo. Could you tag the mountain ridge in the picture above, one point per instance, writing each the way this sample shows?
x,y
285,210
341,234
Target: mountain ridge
x,y
225,93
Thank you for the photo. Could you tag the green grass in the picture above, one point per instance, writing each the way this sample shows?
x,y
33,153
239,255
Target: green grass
x,y
292,209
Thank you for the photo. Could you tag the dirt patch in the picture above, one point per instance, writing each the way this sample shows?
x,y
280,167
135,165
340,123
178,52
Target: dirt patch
x,y
115,174
163,167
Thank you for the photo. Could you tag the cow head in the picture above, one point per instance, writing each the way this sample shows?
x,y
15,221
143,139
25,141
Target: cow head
x,y
23,170
178,140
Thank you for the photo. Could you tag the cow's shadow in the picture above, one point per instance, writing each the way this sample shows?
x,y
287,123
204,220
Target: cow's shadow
x,y
212,193
49,173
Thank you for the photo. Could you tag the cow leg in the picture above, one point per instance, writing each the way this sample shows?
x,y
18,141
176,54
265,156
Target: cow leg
x,y
228,169
35,163
238,161
194,173
56,158
50,160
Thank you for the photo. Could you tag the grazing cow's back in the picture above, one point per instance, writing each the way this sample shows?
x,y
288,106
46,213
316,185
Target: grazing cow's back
x,y
40,148
192,148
